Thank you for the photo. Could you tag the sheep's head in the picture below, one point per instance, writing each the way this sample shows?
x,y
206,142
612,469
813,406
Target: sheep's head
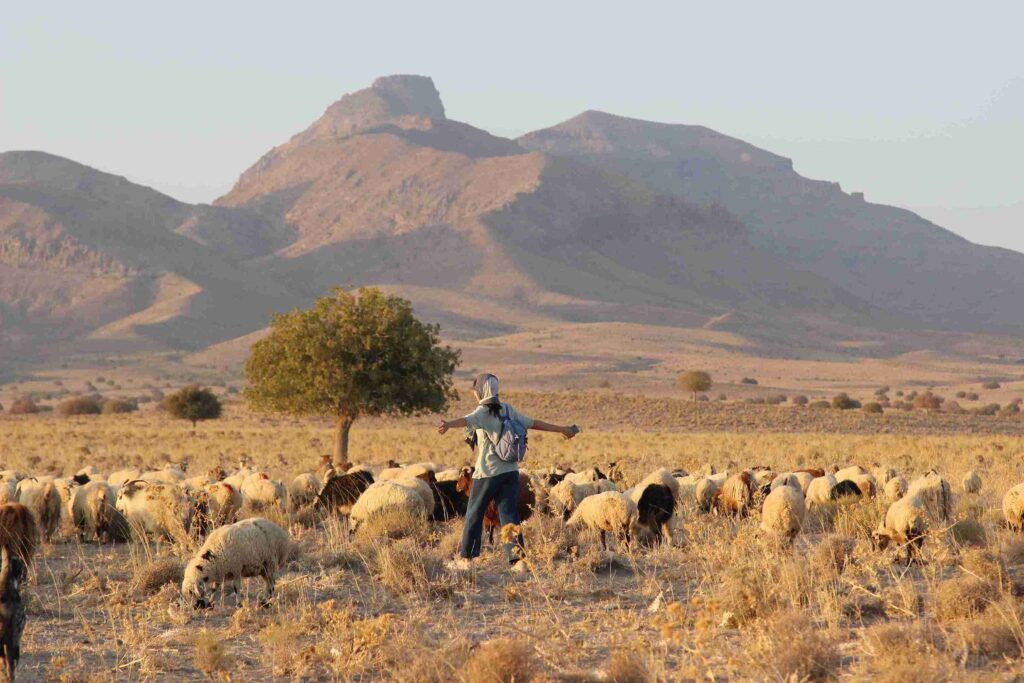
x,y
881,538
195,586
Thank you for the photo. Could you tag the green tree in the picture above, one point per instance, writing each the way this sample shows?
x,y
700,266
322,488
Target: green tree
x,y
695,381
350,355
193,403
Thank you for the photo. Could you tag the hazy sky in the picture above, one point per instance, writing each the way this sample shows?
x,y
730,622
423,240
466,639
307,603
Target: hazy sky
x,y
918,104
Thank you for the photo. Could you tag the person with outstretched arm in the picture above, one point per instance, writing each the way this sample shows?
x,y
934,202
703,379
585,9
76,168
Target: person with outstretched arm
x,y
493,478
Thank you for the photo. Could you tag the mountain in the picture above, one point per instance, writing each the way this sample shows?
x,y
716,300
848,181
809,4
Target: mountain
x,y
889,257
600,220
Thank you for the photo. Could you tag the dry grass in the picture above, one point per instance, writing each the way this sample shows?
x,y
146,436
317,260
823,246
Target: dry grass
x,y
719,603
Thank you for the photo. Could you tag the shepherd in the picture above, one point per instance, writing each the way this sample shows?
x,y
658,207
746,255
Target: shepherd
x,y
497,433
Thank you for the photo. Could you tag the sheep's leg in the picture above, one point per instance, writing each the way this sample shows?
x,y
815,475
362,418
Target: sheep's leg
x,y
604,543
666,533
490,535
268,579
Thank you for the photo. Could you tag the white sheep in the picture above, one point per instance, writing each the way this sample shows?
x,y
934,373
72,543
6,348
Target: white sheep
x,y
895,489
216,505
385,499
9,475
449,474
168,474
905,523
935,493
782,514
261,492
44,502
302,490
819,491
971,482
1013,507
847,473
608,512
252,547
193,485
422,470
587,476
160,510
389,474
704,492
567,494
239,476
119,478
93,513
420,486
8,490
661,476
884,474
801,479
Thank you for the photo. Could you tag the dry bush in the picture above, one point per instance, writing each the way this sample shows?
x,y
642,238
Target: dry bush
x,y
790,646
962,597
627,667
1013,553
831,555
407,568
995,635
501,661
211,656
968,532
747,591
902,652
152,576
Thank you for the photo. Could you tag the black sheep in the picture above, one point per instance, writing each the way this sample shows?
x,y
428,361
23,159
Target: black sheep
x,y
449,501
845,488
341,491
12,611
656,506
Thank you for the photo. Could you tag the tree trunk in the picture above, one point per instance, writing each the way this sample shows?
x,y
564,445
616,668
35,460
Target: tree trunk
x,y
341,438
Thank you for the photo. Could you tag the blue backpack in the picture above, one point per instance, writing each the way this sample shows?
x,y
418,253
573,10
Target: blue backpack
x,y
511,443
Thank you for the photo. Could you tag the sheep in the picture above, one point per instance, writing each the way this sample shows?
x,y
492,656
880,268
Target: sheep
x,y
735,495
664,477
608,512
93,512
905,523
240,475
555,474
194,485
340,492
655,505
935,493
971,482
800,478
589,475
848,472
261,492
386,498
119,478
421,487
540,492
783,511
251,547
224,502
389,474
303,491
1013,508
44,501
705,492
12,475
846,488
12,609
883,474
451,498
18,531
8,490
449,474
161,510
423,470
169,474
567,494
895,489
819,491
90,471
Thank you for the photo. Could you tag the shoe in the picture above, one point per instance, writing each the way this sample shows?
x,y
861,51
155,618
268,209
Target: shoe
x,y
459,564
519,568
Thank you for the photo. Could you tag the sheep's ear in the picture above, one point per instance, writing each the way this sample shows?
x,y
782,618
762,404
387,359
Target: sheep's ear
x,y
208,555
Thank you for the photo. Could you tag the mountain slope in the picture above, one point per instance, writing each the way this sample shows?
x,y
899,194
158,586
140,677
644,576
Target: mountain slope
x,y
887,256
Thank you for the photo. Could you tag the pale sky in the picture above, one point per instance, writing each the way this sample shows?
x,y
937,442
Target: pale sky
x,y
918,104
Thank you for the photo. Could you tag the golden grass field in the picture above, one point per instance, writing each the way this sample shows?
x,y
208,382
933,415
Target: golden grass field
x,y
721,604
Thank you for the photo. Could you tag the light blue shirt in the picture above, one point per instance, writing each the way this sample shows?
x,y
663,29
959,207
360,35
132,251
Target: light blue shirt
x,y
487,428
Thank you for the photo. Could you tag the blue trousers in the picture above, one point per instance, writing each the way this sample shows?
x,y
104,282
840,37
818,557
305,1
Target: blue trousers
x,y
503,489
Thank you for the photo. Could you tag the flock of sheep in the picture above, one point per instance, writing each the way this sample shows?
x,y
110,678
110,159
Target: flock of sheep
x,y
204,511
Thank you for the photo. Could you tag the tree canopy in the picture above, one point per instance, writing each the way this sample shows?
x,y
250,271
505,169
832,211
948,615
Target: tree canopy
x,y
350,355
193,403
695,381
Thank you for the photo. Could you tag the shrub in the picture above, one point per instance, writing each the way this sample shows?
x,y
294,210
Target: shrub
x,y
881,391
961,394
844,402
928,401
749,380
902,405
972,396
695,381
899,393
990,409
193,404
24,406
81,405
500,661
1,407
1010,409
821,405
799,400
954,408
115,406
992,384
722,397
873,408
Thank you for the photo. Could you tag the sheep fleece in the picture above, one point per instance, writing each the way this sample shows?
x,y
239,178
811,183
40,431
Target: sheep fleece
x,y
247,548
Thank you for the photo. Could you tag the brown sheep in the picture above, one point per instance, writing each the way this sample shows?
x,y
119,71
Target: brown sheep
x,y
524,504
736,495
19,532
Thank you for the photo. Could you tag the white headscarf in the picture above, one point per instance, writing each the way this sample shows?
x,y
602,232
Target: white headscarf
x,y
486,387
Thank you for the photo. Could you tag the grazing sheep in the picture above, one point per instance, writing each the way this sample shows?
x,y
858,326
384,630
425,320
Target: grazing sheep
x,y
240,475
224,502
589,475
93,512
427,471
849,472
12,475
664,477
905,523
160,510
813,471
608,512
303,491
782,514
8,490
252,547
194,485
384,498
12,610
340,492
567,494
705,492
735,496
936,494
18,531
261,492
121,477
971,482
169,474
389,474
655,505
1013,507
799,478
819,491
450,474
555,474
895,489
616,474
451,498
44,502
883,474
